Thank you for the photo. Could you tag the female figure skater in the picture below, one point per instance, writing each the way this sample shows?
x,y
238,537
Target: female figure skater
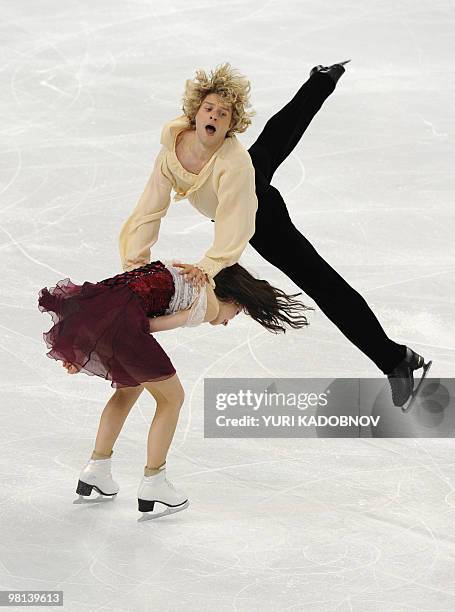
x,y
104,329
202,160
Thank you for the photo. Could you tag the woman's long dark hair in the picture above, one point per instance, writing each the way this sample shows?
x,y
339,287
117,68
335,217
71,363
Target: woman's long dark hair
x,y
264,303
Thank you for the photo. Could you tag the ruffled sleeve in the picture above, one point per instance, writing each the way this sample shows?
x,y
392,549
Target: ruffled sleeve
x,y
140,231
186,297
198,309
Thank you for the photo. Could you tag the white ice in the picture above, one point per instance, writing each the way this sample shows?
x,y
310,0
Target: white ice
x,y
315,525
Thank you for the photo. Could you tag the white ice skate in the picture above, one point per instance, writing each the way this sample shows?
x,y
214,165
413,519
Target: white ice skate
x,y
158,497
96,474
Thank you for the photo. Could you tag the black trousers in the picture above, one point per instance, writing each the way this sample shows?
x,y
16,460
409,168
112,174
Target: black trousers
x,y
278,241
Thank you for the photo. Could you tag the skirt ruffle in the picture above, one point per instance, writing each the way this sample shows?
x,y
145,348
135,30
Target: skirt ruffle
x,y
104,331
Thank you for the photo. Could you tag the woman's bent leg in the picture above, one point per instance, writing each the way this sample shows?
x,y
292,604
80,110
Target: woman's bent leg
x,y
169,396
283,130
113,418
280,243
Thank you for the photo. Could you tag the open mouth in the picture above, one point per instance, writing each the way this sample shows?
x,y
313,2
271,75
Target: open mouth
x,y
210,129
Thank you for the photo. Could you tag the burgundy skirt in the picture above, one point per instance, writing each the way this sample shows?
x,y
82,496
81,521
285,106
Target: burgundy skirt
x,y
103,328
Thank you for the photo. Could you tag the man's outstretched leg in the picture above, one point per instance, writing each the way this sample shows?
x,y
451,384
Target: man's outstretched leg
x,y
280,243
285,128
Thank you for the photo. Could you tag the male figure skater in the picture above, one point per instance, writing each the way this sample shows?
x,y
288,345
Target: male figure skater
x,y
201,162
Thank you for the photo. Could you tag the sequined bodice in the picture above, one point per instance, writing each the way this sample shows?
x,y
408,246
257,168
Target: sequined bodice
x,y
152,283
163,290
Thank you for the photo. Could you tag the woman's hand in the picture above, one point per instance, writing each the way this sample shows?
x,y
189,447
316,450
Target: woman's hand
x,y
72,369
192,273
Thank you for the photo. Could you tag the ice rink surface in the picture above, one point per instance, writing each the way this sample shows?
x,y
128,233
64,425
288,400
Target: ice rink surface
x,y
313,525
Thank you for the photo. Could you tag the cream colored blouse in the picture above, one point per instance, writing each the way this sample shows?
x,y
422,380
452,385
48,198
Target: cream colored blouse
x,y
223,191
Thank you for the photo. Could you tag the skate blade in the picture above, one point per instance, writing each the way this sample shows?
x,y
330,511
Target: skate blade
x,y
407,407
85,490
148,516
95,499
345,62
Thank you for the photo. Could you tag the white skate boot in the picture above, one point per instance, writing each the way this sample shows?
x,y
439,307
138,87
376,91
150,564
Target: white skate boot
x,y
158,497
96,474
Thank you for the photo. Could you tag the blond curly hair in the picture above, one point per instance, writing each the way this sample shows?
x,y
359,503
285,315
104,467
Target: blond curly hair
x,y
230,85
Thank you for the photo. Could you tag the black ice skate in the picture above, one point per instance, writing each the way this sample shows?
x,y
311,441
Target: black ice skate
x,y
401,379
335,71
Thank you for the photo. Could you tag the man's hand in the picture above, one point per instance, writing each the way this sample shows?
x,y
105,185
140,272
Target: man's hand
x,y
192,273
